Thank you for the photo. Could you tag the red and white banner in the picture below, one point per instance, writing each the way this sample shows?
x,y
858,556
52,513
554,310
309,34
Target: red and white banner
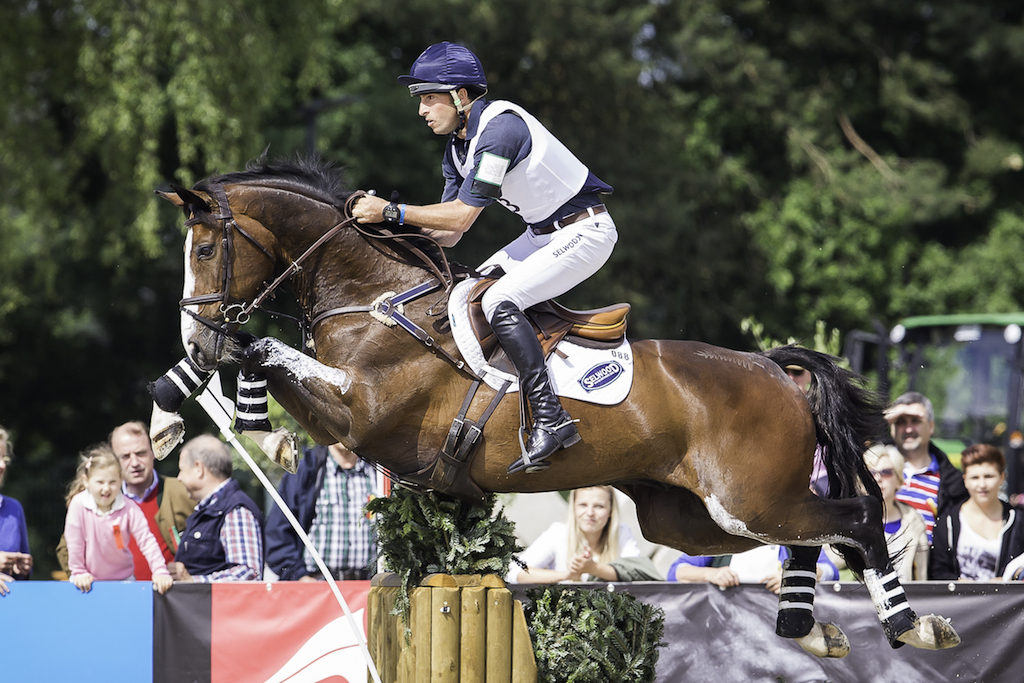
x,y
297,633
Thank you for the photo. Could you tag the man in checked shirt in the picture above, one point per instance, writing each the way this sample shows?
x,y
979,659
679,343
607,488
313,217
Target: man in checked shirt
x,y
326,495
223,537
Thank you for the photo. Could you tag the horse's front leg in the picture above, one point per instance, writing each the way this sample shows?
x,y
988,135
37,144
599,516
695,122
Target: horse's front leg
x,y
315,394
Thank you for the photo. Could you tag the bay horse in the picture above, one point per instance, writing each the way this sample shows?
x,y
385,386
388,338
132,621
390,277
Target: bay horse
x,y
715,446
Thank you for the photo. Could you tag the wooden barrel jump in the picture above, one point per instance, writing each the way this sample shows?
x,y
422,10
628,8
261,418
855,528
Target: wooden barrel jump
x,y
465,629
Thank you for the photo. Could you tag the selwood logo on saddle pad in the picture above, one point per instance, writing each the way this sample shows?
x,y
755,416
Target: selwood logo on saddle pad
x,y
596,375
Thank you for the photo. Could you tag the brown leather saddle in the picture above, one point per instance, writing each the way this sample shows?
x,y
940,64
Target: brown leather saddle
x,y
597,328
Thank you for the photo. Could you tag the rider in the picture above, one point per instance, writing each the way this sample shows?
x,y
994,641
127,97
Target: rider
x,y
496,150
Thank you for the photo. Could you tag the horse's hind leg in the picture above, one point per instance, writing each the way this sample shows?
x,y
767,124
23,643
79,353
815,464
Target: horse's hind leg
x,y
856,525
796,607
901,625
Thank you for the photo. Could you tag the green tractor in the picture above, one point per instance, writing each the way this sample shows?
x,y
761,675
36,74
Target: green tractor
x,y
969,365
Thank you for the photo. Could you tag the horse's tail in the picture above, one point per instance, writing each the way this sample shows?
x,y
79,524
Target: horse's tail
x,y
847,416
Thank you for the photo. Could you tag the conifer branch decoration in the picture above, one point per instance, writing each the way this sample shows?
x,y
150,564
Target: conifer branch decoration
x,y
581,635
428,533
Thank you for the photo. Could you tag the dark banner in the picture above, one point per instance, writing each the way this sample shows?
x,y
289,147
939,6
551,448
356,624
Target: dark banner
x,y
181,634
724,636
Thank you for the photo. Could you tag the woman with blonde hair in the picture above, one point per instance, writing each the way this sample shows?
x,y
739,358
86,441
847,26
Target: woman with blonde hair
x,y
905,533
583,548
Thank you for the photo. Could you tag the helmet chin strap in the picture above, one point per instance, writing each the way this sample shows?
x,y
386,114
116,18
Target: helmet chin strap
x,y
461,111
461,107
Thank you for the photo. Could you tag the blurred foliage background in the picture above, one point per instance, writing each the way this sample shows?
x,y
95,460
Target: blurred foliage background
x,y
791,162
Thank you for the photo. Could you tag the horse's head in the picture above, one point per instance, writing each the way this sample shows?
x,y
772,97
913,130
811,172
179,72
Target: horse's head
x,y
227,258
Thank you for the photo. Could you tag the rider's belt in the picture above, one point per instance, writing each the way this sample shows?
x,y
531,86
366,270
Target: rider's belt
x,y
568,220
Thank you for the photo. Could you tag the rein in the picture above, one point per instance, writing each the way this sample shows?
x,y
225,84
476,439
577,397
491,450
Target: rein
x,y
388,308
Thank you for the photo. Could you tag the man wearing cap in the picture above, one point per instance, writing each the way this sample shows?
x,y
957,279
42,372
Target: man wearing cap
x,y
497,151
932,484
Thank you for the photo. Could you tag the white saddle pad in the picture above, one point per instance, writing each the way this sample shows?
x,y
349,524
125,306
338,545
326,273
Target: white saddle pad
x,y
602,376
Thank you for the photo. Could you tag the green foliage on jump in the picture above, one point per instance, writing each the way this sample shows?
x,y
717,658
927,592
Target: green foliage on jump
x,y
582,635
427,533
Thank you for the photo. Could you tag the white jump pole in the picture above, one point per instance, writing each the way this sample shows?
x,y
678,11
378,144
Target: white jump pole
x,y
221,410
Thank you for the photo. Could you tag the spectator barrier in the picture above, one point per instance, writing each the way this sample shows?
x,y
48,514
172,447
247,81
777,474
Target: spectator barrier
x,y
295,632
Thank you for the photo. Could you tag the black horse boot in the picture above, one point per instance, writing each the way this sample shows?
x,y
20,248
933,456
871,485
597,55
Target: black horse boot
x,y
553,428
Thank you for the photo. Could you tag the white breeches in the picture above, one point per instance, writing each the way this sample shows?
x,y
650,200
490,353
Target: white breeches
x,y
541,267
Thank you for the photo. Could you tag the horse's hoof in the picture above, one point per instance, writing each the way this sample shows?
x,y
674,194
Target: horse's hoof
x,y
166,430
280,445
825,640
931,632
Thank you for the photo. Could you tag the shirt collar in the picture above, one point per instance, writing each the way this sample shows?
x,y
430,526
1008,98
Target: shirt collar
x,y
932,467
145,494
474,118
90,504
360,466
205,502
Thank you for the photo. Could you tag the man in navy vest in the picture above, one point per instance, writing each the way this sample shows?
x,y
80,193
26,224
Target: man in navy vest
x,y
223,537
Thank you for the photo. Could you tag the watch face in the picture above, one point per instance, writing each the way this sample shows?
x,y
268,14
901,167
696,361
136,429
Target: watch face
x,y
391,213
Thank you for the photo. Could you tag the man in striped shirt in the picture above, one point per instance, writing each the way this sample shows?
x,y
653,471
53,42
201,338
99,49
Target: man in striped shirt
x,y
932,484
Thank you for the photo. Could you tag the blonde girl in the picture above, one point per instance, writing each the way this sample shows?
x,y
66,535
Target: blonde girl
x,y
583,548
101,523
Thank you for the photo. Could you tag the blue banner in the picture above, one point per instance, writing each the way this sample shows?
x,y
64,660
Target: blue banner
x,y
53,632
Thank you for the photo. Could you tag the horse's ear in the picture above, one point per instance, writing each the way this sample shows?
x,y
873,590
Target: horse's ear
x,y
172,197
185,198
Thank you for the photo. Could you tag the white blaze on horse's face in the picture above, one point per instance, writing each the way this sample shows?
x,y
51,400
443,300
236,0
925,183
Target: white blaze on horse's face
x,y
188,323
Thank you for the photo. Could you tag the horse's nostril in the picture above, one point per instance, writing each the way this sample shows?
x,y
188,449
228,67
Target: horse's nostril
x,y
199,357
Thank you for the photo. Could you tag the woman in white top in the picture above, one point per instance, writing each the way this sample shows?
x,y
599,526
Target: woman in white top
x,y
978,540
583,548
905,533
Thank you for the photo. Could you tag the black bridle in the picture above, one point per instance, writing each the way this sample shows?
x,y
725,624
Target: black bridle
x,y
235,313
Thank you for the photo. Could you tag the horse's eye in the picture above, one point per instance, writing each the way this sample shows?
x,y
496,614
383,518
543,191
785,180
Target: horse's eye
x,y
204,251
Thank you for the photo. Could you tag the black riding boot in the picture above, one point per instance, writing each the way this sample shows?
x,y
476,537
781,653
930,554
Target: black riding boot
x,y
553,428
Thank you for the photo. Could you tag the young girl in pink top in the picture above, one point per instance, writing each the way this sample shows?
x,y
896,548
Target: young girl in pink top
x,y
101,523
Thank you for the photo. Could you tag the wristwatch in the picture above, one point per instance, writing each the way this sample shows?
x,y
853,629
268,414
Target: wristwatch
x,y
392,214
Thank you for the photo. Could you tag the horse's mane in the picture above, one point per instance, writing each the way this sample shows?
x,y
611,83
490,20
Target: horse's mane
x,y
318,179
308,175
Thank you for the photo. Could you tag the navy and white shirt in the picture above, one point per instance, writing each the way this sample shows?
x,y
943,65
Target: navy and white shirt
x,y
508,137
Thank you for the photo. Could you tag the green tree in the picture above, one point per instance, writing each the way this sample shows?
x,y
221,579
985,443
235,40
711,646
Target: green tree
x,y
795,162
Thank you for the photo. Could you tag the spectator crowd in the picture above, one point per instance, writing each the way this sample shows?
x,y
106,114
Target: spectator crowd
x,y
127,522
